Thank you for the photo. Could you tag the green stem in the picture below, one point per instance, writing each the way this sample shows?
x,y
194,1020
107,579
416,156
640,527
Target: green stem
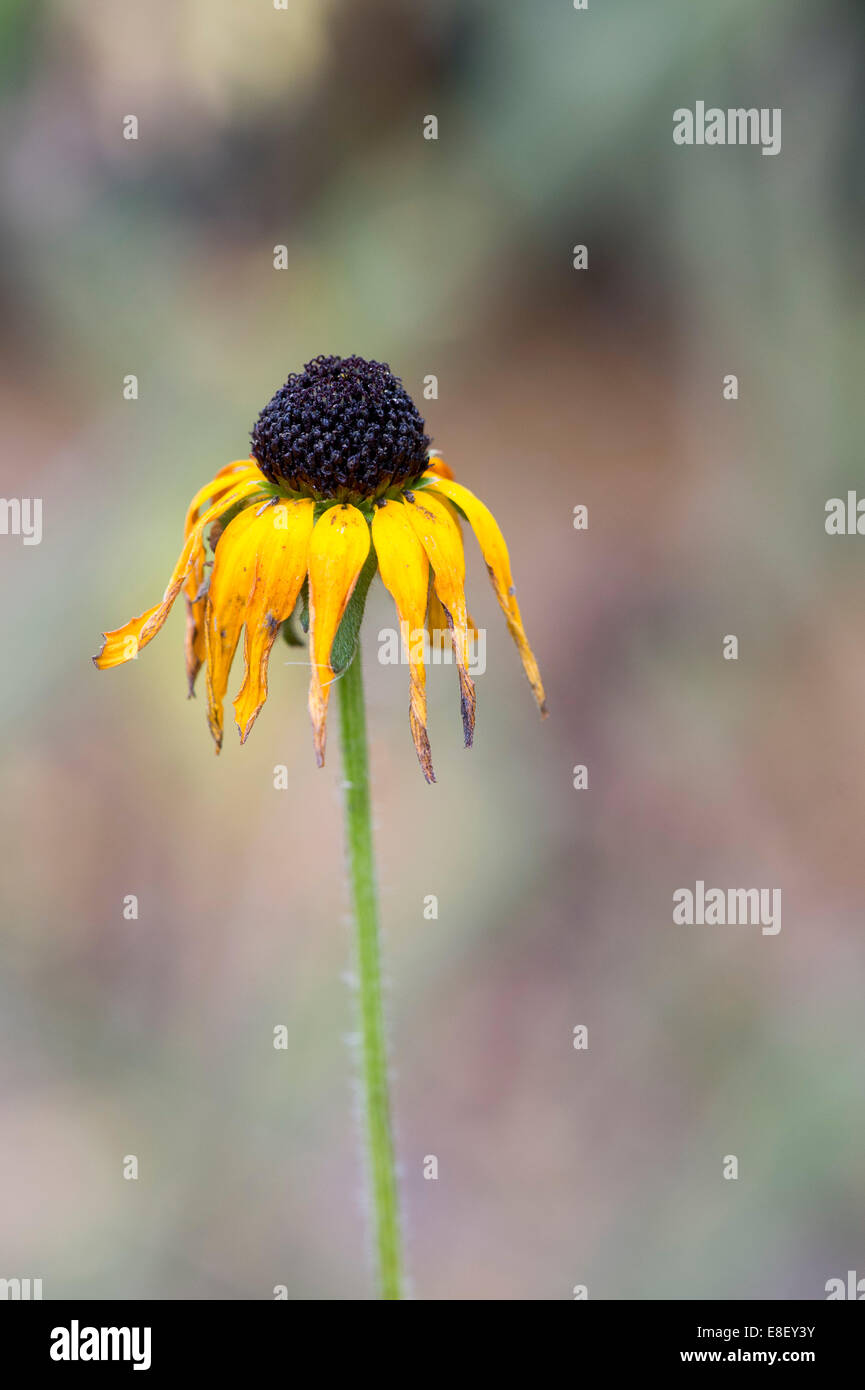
x,y
374,1069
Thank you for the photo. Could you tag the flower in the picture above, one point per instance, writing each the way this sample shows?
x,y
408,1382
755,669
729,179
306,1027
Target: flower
x,y
341,482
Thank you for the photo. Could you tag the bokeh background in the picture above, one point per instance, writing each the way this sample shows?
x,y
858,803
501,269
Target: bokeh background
x,y
153,1037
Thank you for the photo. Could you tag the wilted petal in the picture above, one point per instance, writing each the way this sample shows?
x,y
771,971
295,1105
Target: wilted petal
x,y
124,643
404,569
231,584
495,553
282,551
338,549
196,645
439,535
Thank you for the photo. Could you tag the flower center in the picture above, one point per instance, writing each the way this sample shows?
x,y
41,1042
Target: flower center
x,y
343,428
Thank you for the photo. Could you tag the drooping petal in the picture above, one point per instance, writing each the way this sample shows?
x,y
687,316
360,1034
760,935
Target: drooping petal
x,y
282,551
437,621
495,553
228,595
196,646
338,549
124,643
223,481
439,535
404,569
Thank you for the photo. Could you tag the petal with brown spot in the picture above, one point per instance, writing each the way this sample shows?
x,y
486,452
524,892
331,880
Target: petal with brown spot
x,y
338,548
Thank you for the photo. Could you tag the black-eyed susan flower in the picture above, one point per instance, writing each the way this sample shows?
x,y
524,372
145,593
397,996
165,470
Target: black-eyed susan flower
x,y
341,482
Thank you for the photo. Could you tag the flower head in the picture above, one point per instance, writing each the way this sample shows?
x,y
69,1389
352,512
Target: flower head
x,y
341,484
343,428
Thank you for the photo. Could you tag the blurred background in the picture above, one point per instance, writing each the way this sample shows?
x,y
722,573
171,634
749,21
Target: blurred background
x,y
556,387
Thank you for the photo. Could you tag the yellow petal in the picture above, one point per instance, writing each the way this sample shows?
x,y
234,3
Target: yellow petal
x,y
439,535
124,643
437,622
495,553
227,478
338,548
282,551
439,467
195,646
231,584
404,569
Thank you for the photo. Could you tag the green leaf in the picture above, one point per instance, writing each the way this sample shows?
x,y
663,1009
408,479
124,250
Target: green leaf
x,y
345,642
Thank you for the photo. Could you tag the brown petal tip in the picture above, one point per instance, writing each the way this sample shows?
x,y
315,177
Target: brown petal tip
x,y
319,738
468,701
422,748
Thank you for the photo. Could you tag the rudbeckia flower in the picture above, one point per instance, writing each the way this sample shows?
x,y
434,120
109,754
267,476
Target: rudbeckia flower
x,y
341,483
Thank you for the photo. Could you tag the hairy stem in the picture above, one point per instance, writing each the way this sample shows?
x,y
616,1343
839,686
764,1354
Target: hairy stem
x,y
381,1170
